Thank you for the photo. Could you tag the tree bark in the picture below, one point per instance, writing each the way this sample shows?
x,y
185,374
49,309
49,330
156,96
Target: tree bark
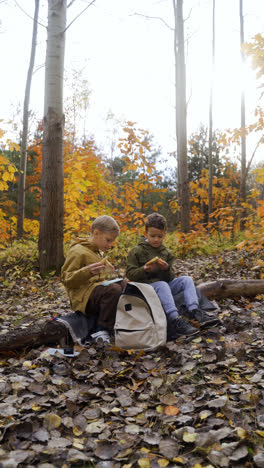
x,y
232,288
52,183
243,194
23,160
210,155
181,116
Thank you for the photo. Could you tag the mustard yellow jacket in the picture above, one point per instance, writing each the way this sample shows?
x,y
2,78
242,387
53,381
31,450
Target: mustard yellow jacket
x,y
75,274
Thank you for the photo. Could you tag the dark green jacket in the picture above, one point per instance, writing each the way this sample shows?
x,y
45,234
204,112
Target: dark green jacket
x,y
141,254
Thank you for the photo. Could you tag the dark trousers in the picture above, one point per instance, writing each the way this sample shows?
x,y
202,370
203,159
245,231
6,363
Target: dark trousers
x,y
102,303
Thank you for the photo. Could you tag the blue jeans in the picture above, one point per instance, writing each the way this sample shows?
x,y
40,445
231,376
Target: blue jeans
x,y
166,291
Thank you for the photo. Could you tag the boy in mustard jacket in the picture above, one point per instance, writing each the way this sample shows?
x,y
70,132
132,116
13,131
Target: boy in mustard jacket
x,y
84,273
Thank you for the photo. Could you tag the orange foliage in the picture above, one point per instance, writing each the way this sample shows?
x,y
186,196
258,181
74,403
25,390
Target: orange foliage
x,y
87,193
7,175
225,196
131,203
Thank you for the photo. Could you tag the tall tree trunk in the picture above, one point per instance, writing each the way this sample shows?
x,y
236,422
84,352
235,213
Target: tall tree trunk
x,y
243,124
23,160
210,155
52,183
181,115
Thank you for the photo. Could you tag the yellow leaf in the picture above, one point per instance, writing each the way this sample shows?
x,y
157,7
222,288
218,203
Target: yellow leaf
x,y
159,409
11,169
144,462
242,433
162,462
205,414
261,433
78,445
197,340
189,436
5,176
76,431
27,364
36,408
179,460
53,420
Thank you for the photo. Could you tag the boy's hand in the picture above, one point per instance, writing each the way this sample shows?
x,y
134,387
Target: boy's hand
x,y
97,268
152,266
162,264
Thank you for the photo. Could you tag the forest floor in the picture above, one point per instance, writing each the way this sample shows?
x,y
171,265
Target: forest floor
x,y
189,404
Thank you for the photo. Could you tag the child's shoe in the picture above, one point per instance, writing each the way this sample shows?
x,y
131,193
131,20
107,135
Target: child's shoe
x,y
205,320
101,335
179,327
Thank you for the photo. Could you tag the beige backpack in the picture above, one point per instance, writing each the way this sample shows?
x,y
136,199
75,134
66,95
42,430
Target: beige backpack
x,y
140,319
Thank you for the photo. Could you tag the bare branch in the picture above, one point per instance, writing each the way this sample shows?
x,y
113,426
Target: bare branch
x,y
38,68
154,17
91,3
70,4
253,154
17,4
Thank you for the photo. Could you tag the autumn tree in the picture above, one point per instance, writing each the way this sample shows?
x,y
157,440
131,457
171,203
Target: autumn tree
x,y
23,160
210,144
181,115
76,106
225,193
7,207
198,153
88,193
243,124
133,197
52,184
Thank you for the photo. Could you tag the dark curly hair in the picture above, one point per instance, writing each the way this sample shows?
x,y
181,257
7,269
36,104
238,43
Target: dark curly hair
x,y
157,221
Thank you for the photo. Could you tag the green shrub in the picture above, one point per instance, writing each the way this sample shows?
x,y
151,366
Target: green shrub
x,y
22,254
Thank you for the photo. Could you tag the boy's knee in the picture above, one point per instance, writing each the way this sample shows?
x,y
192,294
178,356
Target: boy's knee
x,y
115,289
187,279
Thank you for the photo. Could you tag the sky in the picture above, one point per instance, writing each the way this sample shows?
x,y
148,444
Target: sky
x,y
127,59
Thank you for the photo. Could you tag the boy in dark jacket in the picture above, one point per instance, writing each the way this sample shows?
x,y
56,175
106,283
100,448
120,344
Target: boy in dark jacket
x,y
151,262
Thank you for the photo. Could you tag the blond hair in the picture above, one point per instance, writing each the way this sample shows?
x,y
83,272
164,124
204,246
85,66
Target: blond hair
x,y
105,224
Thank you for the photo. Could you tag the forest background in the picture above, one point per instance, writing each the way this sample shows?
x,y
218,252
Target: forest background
x,y
128,173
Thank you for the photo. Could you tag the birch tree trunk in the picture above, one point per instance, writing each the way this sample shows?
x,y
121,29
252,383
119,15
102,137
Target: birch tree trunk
x,y
210,155
243,124
52,183
23,160
181,115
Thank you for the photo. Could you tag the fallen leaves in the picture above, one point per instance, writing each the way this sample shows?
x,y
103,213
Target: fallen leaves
x,y
195,404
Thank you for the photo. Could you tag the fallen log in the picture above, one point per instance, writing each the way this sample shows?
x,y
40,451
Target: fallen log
x,y
224,288
35,335
52,332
